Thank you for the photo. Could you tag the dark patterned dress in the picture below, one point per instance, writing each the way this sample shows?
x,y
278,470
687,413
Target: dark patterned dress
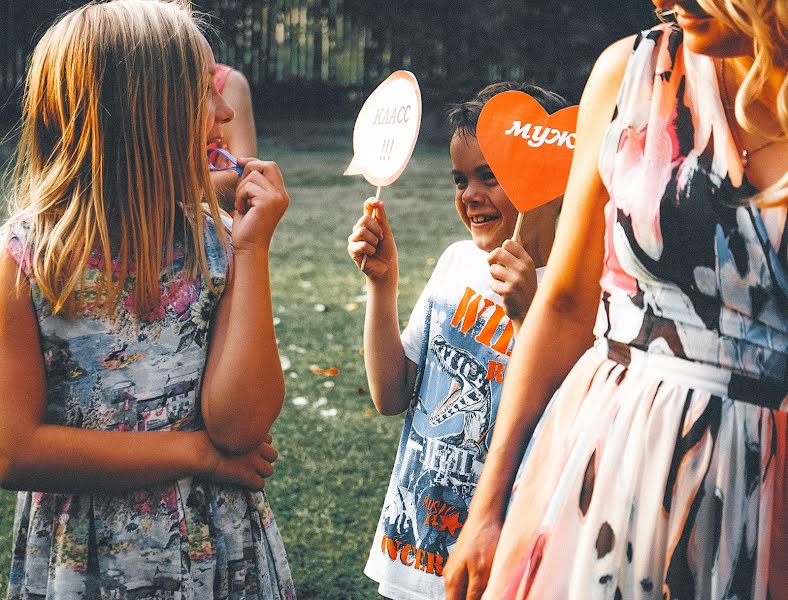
x,y
180,539
657,466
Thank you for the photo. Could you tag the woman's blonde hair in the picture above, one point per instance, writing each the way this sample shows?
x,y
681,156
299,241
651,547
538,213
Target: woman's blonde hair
x,y
766,23
112,157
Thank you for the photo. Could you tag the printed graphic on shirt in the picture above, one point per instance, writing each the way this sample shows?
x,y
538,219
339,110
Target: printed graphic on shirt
x,y
448,431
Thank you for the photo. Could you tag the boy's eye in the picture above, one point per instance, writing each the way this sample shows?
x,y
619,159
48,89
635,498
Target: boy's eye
x,y
460,181
487,176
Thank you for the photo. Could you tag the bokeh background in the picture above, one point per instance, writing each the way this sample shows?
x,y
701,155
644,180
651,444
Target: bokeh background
x,y
319,58
311,64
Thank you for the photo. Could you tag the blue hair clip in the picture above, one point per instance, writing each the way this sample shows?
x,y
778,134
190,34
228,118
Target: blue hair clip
x,y
228,156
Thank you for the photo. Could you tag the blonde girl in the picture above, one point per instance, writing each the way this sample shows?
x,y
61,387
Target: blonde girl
x,y
658,469
137,388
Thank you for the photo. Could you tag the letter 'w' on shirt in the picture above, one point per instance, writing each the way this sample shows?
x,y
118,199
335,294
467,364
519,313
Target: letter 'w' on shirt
x,y
470,308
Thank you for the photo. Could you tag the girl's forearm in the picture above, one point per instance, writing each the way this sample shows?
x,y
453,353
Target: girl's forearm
x,y
243,385
62,459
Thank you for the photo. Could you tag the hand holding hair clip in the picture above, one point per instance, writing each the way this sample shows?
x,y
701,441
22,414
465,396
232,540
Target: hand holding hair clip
x,y
229,158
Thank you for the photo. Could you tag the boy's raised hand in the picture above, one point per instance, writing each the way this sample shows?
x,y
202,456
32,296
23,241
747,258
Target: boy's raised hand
x,y
514,278
260,201
372,237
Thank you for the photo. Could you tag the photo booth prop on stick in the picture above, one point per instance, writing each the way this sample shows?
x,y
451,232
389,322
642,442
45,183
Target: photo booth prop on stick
x,y
386,130
529,151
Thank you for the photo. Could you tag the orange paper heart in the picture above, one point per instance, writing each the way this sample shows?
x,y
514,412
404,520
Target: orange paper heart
x,y
529,151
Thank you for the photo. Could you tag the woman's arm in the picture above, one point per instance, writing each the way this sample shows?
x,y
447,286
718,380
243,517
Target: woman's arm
x,y
243,385
555,332
41,457
390,374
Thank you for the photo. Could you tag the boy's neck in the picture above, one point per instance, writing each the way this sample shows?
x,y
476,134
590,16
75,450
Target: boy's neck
x,y
538,243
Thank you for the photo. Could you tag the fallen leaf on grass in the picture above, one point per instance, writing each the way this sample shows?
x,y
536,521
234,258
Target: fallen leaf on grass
x,y
328,412
360,390
300,401
330,372
368,412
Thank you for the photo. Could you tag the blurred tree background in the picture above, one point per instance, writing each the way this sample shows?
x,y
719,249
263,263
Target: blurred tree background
x,y
320,58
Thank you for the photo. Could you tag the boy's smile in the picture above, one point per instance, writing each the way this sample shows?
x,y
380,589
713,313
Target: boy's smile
x,y
480,201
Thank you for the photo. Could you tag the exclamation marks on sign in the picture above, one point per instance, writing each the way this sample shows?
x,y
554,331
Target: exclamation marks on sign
x,y
388,146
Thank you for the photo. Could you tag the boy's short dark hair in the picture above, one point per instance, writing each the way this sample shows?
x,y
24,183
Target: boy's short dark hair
x,y
463,117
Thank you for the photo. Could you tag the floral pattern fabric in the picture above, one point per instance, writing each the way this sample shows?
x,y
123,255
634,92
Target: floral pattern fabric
x,y
183,539
658,468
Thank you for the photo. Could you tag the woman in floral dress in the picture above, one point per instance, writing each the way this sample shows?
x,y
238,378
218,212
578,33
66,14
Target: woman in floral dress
x,y
659,467
136,389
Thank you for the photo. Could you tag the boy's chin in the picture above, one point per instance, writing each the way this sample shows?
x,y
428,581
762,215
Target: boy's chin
x,y
487,243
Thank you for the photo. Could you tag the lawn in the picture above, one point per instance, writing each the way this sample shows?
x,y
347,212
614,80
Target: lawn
x,y
336,452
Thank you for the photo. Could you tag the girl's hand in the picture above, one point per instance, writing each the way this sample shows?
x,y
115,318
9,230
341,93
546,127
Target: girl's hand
x,y
514,278
372,238
260,202
247,470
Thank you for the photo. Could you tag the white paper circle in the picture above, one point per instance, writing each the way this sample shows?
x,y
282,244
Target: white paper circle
x,y
386,130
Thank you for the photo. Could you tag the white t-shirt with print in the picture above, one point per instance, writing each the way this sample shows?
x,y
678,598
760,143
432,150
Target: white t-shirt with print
x,y
460,338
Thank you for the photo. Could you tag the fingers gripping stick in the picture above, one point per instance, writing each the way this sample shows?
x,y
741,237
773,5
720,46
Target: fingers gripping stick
x,y
374,216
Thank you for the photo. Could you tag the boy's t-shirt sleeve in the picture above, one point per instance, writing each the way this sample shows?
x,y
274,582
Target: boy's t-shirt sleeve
x,y
413,335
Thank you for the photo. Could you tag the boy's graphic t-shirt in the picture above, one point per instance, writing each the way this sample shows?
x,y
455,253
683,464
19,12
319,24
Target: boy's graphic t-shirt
x,y
460,338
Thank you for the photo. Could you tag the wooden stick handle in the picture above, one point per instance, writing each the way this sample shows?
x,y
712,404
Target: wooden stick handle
x,y
516,234
374,216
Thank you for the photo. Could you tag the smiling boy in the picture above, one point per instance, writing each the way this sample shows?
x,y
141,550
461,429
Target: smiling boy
x,y
448,365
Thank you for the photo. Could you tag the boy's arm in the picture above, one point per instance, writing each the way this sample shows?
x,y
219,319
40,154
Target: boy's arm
x,y
389,372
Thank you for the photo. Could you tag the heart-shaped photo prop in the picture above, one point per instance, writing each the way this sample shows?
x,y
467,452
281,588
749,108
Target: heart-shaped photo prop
x,y
386,130
529,151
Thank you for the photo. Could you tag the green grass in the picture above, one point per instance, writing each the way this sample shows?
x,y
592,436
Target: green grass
x,y
332,473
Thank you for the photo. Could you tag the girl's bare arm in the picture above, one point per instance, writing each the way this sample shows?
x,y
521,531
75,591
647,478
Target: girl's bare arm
x,y
41,457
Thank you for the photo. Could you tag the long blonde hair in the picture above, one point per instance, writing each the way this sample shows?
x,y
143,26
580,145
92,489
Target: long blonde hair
x,y
766,23
111,157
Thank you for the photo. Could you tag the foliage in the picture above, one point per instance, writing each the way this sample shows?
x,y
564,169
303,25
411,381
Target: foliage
x,y
322,57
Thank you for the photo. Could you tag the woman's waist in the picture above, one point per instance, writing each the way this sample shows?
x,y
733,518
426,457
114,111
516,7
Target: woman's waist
x,y
715,379
732,341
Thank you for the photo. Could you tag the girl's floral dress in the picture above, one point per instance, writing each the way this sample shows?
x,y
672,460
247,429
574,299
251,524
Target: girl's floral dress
x,y
182,539
659,468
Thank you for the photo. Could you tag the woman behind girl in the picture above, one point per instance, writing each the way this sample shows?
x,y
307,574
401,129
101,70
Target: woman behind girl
x,y
147,452
659,468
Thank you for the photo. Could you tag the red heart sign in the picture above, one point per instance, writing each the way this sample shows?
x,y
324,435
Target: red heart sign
x,y
529,151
